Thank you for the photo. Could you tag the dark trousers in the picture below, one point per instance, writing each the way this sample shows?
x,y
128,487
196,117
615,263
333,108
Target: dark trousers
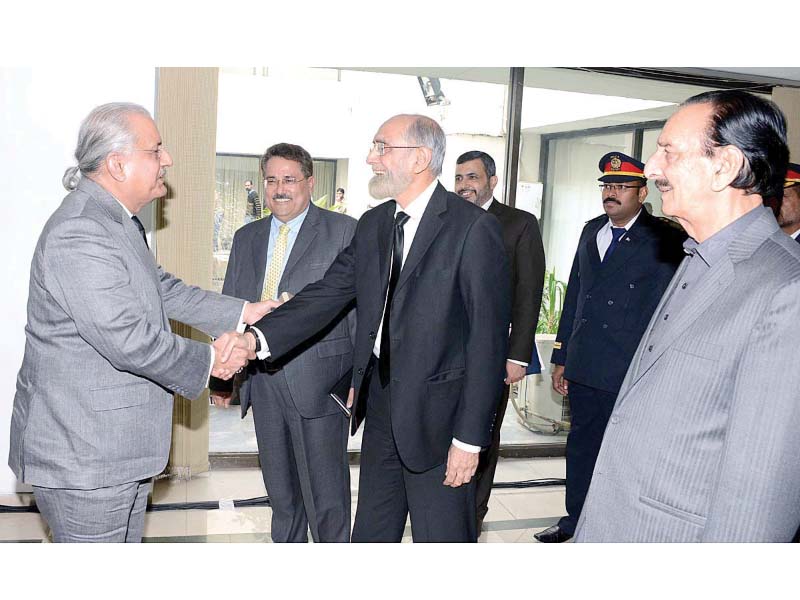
x,y
388,492
484,476
304,465
590,409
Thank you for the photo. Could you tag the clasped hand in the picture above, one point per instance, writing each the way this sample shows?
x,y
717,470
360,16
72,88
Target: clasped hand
x,y
232,351
254,311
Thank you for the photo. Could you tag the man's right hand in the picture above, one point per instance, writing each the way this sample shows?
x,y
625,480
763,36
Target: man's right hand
x,y
231,353
560,384
221,399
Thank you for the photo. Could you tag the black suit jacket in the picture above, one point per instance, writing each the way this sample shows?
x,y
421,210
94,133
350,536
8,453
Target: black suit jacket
x,y
523,242
449,322
608,306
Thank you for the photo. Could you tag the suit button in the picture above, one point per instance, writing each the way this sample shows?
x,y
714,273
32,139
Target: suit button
x,y
632,286
372,335
650,348
588,296
360,371
605,325
615,420
610,302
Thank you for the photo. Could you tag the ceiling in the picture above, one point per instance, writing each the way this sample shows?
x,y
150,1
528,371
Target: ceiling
x,y
673,85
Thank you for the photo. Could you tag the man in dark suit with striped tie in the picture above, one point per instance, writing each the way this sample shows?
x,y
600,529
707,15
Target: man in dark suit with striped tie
x,y
789,216
624,262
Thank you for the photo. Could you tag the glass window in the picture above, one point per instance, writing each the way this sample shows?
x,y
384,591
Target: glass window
x,y
572,195
649,139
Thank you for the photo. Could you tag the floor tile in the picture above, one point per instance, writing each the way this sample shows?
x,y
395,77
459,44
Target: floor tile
x,y
541,503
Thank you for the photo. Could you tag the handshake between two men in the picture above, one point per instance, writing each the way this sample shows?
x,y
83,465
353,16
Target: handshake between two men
x,y
233,350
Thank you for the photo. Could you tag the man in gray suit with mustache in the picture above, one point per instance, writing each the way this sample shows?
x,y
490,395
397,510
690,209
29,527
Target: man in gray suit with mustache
x,y
301,432
702,443
92,417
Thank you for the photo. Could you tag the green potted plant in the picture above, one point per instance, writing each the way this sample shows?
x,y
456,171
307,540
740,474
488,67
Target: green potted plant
x,y
540,408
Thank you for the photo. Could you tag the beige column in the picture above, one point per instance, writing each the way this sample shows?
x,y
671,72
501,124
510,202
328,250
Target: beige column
x,y
186,114
788,99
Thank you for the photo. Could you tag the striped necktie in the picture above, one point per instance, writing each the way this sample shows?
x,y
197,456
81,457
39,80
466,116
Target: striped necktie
x,y
275,270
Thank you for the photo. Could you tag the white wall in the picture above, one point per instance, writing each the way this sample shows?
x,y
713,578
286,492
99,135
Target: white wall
x,y
40,112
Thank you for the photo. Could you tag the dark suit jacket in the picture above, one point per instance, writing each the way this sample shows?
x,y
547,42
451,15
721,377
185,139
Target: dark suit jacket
x,y
315,366
449,322
608,306
523,242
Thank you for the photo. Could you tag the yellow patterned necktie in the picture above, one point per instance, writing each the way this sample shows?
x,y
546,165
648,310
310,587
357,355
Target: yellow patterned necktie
x,y
274,272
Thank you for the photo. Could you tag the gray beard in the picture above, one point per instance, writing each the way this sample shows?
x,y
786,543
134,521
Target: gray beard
x,y
385,186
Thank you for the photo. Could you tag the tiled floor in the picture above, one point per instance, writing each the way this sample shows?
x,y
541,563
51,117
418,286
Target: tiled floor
x,y
514,514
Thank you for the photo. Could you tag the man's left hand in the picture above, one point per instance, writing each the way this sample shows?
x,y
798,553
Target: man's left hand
x,y
461,466
253,311
514,372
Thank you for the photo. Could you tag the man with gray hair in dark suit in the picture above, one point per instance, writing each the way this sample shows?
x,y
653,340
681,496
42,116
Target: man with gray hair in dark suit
x,y
92,417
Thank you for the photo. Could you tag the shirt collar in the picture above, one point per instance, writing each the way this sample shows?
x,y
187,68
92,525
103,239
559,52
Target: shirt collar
x,y
488,203
294,224
715,247
628,225
125,208
417,206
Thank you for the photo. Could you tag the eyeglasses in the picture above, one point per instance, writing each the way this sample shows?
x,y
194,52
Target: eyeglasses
x,y
157,152
617,187
380,148
287,181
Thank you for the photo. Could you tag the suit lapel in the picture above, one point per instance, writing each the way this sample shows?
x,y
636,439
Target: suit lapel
x,y
258,259
708,290
384,240
308,231
130,232
429,227
590,248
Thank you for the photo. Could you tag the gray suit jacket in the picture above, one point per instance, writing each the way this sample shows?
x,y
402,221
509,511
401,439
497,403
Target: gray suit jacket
x,y
703,442
315,366
93,406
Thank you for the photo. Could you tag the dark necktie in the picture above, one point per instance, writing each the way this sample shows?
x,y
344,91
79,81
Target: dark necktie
x,y
616,236
397,264
140,227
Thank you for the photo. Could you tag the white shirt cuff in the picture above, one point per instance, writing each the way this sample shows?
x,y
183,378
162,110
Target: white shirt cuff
x,y
240,327
213,360
517,362
466,447
264,353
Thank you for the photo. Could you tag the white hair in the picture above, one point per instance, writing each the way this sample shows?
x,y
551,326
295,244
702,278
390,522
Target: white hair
x,y
105,130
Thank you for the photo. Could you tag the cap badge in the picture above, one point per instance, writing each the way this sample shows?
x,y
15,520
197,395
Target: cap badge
x,y
616,163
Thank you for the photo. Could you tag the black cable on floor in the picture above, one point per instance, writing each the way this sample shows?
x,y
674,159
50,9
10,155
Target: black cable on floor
x,y
264,500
